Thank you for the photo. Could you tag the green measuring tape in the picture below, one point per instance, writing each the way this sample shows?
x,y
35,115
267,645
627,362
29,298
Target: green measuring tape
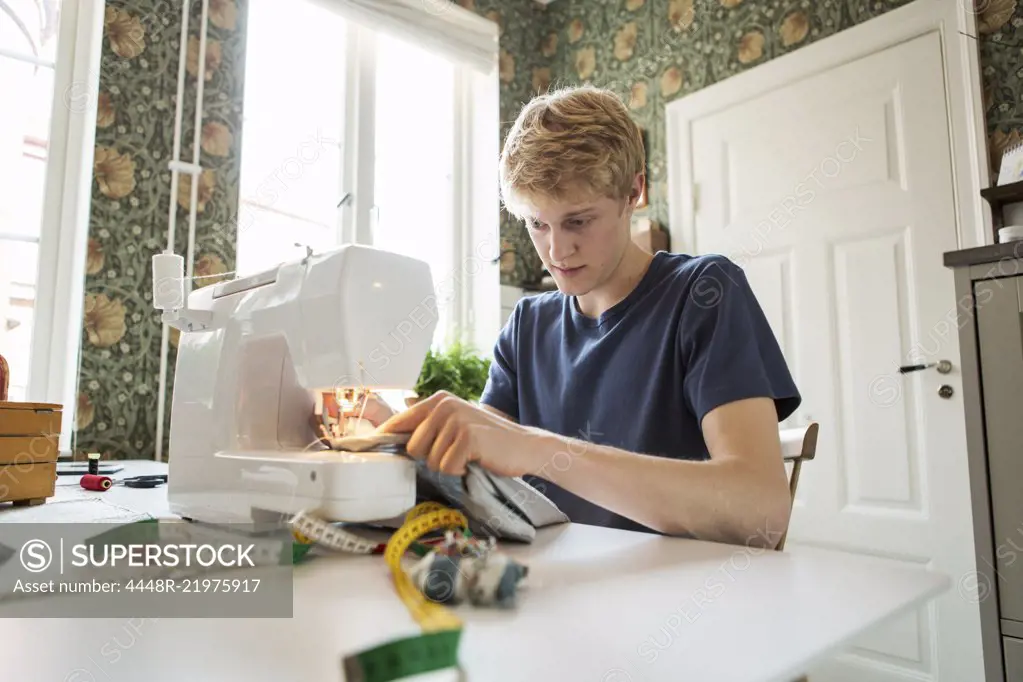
x,y
406,657
437,647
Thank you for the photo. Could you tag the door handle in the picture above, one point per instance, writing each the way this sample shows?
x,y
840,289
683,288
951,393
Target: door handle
x,y
943,367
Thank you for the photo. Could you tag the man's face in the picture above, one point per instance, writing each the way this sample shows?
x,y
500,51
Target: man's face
x,y
580,239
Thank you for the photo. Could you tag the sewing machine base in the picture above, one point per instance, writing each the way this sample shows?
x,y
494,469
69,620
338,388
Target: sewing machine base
x,y
246,487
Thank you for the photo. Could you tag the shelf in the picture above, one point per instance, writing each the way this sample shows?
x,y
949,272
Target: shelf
x,y
997,197
1003,194
981,255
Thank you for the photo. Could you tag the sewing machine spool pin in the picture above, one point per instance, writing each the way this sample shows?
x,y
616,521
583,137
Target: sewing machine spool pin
x,y
308,251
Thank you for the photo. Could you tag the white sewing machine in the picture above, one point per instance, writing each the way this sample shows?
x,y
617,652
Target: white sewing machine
x,y
253,355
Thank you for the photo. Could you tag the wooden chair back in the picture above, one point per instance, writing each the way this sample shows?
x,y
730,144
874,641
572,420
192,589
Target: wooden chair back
x,y
798,445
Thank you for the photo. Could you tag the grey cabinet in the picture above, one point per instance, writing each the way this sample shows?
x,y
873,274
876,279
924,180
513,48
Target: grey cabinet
x,y
1000,351
989,301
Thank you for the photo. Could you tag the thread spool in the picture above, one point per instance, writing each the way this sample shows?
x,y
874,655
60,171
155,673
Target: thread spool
x,y
94,463
94,482
168,281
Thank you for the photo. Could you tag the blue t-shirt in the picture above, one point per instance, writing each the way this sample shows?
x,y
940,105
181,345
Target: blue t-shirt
x,y
689,338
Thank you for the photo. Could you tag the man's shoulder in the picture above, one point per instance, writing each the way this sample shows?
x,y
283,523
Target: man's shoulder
x,y
705,279
689,268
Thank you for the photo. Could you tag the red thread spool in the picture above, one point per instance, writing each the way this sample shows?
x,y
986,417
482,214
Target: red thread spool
x,y
95,482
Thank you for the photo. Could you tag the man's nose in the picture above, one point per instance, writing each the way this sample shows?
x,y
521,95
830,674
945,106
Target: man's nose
x,y
561,246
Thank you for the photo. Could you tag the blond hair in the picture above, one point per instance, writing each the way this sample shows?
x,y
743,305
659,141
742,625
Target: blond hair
x,y
572,139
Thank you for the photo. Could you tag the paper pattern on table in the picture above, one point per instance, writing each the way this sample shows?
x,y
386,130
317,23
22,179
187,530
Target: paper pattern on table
x,y
75,510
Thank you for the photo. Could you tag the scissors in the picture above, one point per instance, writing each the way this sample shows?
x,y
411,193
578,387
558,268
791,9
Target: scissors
x,y
142,481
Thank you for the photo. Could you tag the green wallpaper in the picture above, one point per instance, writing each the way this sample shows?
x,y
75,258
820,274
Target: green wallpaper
x,y
1000,28
120,357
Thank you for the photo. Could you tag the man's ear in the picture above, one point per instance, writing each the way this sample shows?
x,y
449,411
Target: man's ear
x,y
638,187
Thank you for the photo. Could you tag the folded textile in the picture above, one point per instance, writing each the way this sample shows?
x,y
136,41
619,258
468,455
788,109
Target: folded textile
x,y
501,506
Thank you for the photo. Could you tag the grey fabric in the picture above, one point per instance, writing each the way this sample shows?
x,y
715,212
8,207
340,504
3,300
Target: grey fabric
x,y
528,501
503,507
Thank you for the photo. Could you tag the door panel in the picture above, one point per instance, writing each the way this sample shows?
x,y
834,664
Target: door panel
x,y
876,436
835,195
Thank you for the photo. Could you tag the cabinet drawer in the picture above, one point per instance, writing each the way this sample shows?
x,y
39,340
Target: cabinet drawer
x,y
1013,649
35,481
21,450
1000,345
29,419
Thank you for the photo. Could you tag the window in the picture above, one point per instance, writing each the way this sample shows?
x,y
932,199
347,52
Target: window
x,y
49,66
358,134
28,38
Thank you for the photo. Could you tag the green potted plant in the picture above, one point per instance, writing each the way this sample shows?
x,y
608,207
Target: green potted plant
x,y
457,369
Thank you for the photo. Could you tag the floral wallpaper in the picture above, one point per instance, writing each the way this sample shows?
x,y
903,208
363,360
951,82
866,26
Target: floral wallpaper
x,y
121,331
1000,33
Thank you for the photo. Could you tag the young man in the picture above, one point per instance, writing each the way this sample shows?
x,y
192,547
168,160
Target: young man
x,y
646,393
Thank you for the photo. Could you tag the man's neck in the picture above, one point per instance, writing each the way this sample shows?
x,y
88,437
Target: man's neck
x,y
631,269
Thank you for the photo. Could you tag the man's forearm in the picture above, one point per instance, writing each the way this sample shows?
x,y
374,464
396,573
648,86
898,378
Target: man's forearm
x,y
726,500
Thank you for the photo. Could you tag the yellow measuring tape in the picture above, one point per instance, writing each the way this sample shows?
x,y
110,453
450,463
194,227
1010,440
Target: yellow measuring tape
x,y
422,519
437,647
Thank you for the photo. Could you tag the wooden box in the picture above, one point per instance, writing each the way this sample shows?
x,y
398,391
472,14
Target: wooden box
x,y
29,435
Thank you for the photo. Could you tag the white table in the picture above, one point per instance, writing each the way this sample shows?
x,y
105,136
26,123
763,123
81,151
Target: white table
x,y
603,605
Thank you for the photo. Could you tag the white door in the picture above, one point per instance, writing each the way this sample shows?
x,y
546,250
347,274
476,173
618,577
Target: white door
x,y
835,194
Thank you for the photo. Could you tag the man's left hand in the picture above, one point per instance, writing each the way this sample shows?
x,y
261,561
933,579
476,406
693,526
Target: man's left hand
x,y
449,433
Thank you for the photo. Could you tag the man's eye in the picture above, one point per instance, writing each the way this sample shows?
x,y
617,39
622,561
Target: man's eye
x,y
578,222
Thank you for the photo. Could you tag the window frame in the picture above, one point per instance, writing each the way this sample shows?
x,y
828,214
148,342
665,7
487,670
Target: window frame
x,y
64,232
